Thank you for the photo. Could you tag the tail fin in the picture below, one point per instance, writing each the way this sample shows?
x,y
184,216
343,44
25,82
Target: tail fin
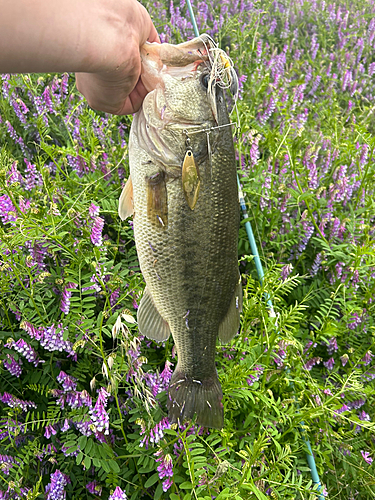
x,y
188,396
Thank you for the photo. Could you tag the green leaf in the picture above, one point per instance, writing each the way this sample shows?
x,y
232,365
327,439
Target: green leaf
x,y
158,492
114,466
82,440
186,485
88,446
87,462
151,480
79,458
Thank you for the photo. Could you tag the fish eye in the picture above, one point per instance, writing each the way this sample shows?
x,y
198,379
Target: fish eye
x,y
205,78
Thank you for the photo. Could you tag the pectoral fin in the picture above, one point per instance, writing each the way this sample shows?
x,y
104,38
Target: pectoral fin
x,y
125,204
150,323
190,179
231,323
157,200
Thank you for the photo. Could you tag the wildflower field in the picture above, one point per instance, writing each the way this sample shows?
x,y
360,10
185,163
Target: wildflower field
x,y
82,394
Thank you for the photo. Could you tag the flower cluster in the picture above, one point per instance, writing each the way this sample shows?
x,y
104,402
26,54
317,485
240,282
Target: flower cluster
x,y
165,468
99,415
25,349
118,494
56,488
14,402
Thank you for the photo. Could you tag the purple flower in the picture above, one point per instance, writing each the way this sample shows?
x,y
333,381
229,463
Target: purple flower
x,y
52,340
332,345
55,489
314,46
94,488
242,79
99,416
165,468
329,364
271,106
27,351
113,298
14,174
14,402
68,383
364,416
312,362
93,210
354,321
155,434
166,374
7,462
64,83
118,494
366,360
66,296
256,376
366,457
32,177
8,212
96,231
316,264
13,367
50,431
344,359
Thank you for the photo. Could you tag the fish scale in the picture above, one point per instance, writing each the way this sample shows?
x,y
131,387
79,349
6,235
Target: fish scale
x,y
188,255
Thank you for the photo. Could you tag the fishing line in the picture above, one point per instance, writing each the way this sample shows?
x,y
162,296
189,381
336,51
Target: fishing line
x,y
254,249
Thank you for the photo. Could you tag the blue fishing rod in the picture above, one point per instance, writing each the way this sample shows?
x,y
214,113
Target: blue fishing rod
x,y
259,268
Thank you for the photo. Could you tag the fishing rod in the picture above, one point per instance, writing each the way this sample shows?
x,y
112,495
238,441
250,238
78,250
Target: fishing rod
x,y
259,268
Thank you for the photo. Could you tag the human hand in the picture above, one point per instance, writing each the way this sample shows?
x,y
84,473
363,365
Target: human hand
x,y
114,85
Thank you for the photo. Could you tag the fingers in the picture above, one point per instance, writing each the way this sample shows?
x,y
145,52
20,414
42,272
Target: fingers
x,y
120,91
153,36
134,100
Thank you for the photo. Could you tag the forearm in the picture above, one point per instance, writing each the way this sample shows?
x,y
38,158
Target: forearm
x,y
63,35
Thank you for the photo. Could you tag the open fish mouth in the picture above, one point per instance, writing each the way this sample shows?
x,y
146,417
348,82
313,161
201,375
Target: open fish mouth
x,y
183,59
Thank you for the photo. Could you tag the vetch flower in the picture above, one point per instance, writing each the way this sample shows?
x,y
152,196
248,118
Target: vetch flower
x,y
13,367
256,376
23,348
32,177
66,296
366,457
118,494
8,212
14,402
50,431
366,360
94,488
344,359
99,416
96,231
155,434
93,210
165,468
55,489
329,364
68,383
312,362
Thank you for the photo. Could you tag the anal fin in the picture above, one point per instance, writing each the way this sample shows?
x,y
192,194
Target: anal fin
x,y
150,323
231,323
125,204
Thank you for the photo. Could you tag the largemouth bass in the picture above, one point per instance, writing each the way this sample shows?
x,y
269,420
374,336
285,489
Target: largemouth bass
x,y
183,193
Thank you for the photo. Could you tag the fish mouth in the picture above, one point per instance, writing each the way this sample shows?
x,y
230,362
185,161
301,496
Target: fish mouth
x,y
183,60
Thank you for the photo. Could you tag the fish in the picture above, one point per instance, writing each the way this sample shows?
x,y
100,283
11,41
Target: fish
x,y
183,194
